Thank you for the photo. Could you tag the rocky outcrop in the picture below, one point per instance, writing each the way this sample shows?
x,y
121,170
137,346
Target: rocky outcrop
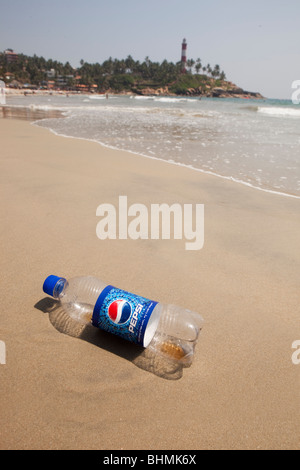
x,y
163,91
227,90
234,92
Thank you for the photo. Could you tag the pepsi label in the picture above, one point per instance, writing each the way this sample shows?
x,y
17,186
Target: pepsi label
x,y
123,314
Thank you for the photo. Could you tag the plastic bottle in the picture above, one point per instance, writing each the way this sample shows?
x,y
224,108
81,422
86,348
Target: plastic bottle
x,y
167,329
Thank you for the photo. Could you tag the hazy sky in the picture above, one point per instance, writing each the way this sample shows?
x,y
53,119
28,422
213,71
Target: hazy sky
x,y
256,42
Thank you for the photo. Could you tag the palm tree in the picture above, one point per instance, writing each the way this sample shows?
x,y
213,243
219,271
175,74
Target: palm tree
x,y
190,63
130,63
198,65
108,66
216,71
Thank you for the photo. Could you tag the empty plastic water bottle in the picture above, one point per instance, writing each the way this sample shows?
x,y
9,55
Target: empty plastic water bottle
x,y
166,329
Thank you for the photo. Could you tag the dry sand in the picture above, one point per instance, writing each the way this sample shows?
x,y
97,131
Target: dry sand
x,y
64,388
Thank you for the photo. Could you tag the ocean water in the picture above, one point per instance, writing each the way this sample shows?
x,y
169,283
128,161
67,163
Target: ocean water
x,y
252,142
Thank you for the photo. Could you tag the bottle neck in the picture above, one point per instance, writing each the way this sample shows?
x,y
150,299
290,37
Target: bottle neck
x,y
59,288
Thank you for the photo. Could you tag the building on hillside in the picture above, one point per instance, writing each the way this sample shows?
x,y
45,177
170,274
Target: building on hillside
x,y
10,56
50,73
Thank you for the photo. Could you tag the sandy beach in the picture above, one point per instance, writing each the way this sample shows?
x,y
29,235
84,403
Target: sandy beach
x,y
68,387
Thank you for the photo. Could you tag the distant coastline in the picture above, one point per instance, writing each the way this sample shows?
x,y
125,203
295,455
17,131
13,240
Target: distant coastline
x,y
27,74
231,91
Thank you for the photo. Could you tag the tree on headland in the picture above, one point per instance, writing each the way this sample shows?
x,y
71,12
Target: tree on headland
x,y
198,65
190,63
208,69
216,71
129,62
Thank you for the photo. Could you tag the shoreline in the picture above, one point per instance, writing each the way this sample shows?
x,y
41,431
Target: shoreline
x,y
206,172
217,92
64,389
34,116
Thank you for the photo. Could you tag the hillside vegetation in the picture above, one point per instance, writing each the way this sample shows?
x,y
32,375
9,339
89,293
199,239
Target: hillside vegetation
x,y
118,76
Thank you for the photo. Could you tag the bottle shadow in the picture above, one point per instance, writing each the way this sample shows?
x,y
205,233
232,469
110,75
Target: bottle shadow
x,y
143,358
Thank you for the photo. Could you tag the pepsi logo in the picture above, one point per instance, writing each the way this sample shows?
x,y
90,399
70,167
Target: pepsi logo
x,y
119,311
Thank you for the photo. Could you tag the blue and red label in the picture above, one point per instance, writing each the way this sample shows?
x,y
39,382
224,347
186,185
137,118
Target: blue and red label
x,y
123,314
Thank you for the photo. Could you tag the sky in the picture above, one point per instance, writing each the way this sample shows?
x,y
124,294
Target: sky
x,y
256,43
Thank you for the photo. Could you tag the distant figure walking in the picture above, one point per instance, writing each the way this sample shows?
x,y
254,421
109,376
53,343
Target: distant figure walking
x,y
2,93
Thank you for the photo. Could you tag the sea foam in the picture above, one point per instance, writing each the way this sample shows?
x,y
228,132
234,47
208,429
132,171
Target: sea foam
x,y
279,111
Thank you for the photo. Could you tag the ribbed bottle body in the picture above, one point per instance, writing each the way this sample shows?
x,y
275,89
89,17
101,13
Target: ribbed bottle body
x,y
177,333
79,297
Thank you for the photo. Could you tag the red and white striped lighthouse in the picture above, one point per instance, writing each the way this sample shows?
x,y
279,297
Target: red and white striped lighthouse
x,y
183,55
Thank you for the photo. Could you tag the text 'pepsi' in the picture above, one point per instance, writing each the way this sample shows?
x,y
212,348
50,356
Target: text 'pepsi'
x,y
124,314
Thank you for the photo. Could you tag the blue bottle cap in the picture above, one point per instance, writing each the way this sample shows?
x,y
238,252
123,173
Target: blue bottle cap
x,y
50,283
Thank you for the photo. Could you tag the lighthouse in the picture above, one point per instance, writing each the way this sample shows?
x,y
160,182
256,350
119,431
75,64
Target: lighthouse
x,y
183,55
